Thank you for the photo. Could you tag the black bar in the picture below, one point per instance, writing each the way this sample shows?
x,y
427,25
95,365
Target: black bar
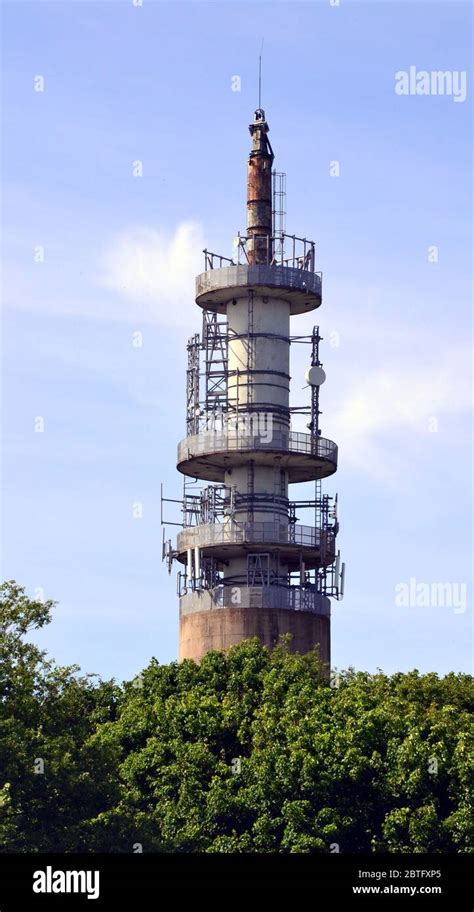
x,y
141,881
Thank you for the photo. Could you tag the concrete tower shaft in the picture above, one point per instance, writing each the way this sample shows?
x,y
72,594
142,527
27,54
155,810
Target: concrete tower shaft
x,y
259,394
250,567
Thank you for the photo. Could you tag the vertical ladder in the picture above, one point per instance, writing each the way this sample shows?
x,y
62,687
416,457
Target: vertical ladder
x,y
278,214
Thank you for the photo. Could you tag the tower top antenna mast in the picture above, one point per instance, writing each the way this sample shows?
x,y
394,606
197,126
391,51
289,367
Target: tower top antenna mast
x,y
260,77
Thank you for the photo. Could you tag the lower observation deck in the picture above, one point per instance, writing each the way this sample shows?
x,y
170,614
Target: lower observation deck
x,y
221,541
215,288
207,455
288,598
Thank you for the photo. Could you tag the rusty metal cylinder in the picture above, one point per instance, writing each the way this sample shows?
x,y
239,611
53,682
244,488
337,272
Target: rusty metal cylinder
x,y
259,193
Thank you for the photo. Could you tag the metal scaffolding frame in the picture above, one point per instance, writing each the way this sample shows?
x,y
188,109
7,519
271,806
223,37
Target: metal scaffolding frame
x,y
192,385
215,348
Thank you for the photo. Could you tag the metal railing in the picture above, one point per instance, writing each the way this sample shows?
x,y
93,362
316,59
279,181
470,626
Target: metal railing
x,y
290,598
281,250
220,441
210,259
257,533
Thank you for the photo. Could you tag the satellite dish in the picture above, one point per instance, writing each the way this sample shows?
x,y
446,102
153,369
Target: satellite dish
x,y
315,376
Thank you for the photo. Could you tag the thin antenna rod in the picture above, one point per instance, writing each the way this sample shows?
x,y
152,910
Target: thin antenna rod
x,y
260,77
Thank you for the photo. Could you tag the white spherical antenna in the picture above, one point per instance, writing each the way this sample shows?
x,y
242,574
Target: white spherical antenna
x,y
315,376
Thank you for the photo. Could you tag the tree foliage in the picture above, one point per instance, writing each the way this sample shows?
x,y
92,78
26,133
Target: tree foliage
x,y
250,751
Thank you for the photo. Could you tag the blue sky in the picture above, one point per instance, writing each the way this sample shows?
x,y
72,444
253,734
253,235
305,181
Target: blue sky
x,y
153,83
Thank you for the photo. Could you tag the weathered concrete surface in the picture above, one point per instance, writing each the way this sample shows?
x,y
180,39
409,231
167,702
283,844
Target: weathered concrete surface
x,y
203,631
217,288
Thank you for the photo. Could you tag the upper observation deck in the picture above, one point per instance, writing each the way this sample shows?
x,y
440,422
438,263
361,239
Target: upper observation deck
x,y
289,277
208,455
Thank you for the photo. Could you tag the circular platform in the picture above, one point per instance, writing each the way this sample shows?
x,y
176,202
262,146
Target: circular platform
x,y
223,541
300,287
207,455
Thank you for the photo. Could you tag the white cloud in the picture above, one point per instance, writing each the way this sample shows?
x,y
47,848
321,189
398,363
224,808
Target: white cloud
x,y
155,273
141,276
382,421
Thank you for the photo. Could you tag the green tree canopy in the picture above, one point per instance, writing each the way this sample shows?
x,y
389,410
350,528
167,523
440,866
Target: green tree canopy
x,y
249,751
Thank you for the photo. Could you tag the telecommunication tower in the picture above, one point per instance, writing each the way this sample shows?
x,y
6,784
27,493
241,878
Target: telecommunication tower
x,y
248,566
